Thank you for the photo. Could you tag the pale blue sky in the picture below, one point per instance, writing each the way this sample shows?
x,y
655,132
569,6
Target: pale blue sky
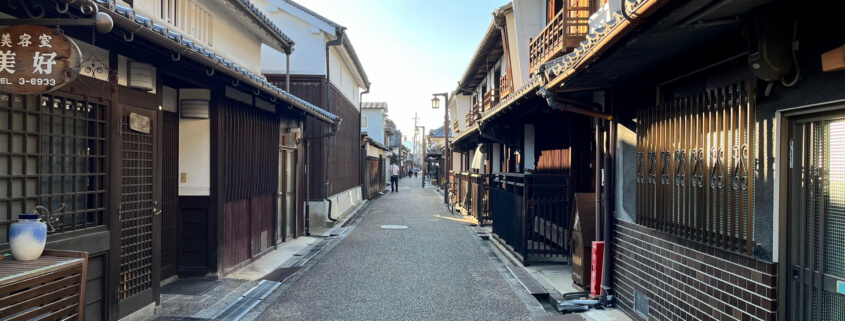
x,y
411,48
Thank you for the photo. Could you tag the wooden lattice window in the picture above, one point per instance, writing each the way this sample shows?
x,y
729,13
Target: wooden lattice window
x,y
52,152
695,166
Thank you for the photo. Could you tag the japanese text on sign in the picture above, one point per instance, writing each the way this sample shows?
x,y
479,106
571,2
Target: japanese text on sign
x,y
33,60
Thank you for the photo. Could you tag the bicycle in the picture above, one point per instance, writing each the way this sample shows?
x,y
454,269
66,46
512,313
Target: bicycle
x,y
452,196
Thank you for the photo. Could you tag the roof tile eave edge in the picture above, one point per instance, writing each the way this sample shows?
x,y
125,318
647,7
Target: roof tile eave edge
x,y
601,39
209,58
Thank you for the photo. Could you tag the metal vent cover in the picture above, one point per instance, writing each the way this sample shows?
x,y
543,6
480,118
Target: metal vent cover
x,y
641,303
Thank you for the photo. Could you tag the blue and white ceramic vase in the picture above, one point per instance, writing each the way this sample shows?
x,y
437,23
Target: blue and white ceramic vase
x,y
27,237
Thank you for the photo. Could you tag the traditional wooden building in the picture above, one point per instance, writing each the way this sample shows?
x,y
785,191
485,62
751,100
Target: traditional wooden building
x,y
167,156
720,137
522,161
326,72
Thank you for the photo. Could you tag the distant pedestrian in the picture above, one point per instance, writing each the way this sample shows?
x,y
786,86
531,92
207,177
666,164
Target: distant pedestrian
x,y
416,172
410,172
394,177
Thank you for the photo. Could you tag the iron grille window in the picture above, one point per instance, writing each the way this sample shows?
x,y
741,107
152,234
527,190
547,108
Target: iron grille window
x,y
52,152
695,167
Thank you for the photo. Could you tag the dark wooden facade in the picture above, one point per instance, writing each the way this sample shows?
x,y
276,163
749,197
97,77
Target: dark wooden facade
x,y
346,166
74,146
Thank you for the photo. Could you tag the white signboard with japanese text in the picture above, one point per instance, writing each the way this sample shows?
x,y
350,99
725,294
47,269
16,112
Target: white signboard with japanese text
x,y
35,60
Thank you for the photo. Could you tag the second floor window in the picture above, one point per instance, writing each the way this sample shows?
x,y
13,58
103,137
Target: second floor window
x,y
188,17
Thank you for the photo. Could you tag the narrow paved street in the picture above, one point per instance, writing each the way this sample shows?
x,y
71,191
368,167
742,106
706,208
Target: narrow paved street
x,y
433,270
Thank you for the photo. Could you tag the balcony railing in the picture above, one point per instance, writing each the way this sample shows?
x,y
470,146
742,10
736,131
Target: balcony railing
x,y
490,100
562,34
530,214
456,128
505,86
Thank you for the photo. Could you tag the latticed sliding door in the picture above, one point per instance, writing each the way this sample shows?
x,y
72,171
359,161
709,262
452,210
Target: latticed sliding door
x,y
817,218
138,208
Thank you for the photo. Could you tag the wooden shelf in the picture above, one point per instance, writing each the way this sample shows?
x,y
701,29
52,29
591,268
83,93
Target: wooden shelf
x,y
49,288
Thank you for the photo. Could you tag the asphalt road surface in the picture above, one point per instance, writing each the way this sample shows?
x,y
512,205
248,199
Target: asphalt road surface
x,y
433,270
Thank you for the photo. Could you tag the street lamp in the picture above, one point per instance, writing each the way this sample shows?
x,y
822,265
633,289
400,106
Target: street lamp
x,y
447,154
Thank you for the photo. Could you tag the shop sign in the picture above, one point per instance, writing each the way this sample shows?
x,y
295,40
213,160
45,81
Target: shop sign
x,y
34,60
139,123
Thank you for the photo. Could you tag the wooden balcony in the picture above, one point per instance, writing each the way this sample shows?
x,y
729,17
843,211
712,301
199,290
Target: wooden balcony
x,y
564,33
490,100
506,86
470,121
456,128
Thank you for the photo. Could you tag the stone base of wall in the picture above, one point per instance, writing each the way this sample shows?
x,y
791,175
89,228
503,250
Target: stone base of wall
x,y
685,280
341,204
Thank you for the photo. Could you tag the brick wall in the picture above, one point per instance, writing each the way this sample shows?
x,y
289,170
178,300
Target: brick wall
x,y
684,280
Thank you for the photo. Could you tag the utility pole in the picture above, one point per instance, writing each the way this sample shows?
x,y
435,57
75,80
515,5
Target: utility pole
x,y
414,150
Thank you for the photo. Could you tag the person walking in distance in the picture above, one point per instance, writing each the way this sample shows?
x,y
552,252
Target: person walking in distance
x,y
410,171
394,177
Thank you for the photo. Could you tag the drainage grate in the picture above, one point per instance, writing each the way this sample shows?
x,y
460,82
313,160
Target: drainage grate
x,y
262,290
282,274
237,309
641,303
249,300
394,227
527,281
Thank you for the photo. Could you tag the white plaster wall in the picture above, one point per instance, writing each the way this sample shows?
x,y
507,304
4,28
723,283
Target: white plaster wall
x,y
513,41
195,149
308,57
497,154
375,123
464,102
529,20
230,37
342,77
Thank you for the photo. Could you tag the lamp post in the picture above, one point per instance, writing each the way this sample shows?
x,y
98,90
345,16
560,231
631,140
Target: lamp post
x,y
447,154
423,154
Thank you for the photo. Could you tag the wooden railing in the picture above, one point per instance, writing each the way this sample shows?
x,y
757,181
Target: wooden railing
x,y
505,86
490,100
472,195
456,127
562,34
530,215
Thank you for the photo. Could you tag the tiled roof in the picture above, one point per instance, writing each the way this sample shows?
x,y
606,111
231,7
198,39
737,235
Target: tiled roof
x,y
374,105
158,33
264,21
563,67
346,42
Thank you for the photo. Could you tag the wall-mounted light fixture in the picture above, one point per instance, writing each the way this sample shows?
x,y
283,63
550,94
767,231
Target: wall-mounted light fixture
x,y
194,108
140,76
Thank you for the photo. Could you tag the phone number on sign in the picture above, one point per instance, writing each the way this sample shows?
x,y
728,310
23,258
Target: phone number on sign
x,y
37,81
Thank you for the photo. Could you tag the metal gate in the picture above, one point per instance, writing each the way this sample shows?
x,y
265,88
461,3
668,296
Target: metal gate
x,y
695,170
817,218
138,207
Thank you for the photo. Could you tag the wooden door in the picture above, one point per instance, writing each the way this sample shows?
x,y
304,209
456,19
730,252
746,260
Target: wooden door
x,y
286,199
816,220
139,208
170,215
